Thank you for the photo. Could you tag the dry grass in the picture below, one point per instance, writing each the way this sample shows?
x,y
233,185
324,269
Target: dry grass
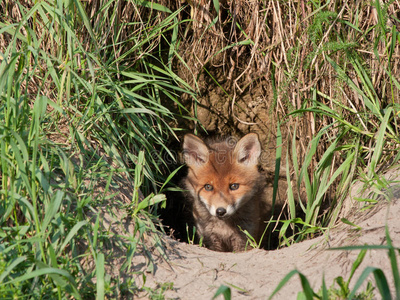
x,y
286,46
279,43
248,38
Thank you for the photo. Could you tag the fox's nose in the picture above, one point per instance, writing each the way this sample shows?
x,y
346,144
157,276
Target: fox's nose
x,y
221,211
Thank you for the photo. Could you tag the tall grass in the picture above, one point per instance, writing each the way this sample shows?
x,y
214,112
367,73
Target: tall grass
x,y
340,289
356,127
81,113
333,70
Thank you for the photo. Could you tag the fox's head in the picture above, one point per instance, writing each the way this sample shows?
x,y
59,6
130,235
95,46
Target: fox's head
x,y
222,175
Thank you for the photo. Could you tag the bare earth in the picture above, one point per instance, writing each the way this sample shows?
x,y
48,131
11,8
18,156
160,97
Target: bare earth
x,y
196,273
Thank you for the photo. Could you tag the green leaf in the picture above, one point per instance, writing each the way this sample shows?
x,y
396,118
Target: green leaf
x,y
11,267
100,276
223,290
52,209
377,153
345,221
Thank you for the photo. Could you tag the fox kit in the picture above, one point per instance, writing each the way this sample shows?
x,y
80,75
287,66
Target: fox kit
x,y
226,190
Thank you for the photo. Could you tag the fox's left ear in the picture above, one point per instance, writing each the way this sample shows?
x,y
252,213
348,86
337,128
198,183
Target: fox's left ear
x,y
195,151
248,149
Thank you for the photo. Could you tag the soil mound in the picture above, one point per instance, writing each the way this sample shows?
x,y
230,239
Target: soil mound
x,y
192,272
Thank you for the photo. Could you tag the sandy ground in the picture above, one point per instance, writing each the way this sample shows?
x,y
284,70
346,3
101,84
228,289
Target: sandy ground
x,y
196,273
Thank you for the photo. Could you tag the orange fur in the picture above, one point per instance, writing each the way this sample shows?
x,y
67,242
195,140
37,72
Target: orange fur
x,y
226,189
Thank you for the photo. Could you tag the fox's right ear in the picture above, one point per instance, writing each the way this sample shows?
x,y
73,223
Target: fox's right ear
x,y
195,151
248,149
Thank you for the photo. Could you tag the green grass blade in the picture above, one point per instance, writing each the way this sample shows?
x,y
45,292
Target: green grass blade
x,y
52,209
309,293
325,295
342,74
70,235
278,157
393,263
382,284
41,272
290,195
304,283
11,267
100,276
223,290
380,279
379,143
357,262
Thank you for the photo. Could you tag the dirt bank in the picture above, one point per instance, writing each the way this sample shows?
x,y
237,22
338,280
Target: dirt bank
x,y
196,273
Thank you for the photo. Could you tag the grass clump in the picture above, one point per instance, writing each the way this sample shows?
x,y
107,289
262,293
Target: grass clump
x,y
351,120
341,288
81,118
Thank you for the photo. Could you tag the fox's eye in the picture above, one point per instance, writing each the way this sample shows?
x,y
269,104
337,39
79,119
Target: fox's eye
x,y
208,187
234,186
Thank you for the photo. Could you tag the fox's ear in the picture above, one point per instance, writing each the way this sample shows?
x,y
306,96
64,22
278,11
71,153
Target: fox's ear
x,y
248,149
195,151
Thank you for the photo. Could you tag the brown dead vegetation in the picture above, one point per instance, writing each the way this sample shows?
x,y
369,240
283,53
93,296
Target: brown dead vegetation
x,y
283,45
254,62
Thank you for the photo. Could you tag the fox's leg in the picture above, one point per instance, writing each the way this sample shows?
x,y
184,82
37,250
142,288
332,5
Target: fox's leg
x,y
238,242
214,242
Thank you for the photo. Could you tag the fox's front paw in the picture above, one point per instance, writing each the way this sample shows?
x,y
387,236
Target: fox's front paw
x,y
239,244
214,243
